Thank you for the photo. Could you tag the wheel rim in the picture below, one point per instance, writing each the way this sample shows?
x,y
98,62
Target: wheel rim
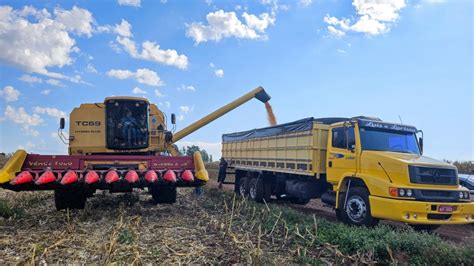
x,y
253,190
242,189
356,209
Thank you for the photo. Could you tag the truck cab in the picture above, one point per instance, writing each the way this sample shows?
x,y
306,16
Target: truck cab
x,y
378,171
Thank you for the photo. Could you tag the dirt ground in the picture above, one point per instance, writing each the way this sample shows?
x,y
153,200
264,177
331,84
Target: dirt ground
x,y
116,228
456,233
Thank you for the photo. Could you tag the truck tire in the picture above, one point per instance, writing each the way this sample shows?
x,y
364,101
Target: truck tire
x,y
425,227
357,209
300,201
257,190
72,198
163,194
243,187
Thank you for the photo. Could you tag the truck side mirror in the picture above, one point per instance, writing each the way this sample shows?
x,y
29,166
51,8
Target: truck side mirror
x,y
173,119
420,141
62,123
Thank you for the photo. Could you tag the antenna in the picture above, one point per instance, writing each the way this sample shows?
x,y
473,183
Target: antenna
x,y
399,117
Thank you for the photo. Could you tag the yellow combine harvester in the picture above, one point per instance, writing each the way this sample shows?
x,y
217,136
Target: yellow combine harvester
x,y
120,144
365,168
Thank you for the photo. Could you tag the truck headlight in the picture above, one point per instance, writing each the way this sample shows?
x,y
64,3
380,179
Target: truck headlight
x,y
401,192
461,195
409,192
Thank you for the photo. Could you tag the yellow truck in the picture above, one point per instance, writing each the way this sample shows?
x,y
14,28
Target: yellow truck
x,y
363,167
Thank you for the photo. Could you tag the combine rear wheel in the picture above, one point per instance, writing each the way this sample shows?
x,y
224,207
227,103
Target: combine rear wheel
x,y
163,194
69,198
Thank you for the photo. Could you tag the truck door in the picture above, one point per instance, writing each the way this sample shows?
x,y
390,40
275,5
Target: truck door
x,y
341,161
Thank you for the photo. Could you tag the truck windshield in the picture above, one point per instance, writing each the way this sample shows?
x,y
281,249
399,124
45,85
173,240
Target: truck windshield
x,y
127,124
385,140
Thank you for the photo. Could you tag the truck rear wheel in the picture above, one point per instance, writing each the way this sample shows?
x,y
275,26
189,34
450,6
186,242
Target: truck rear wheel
x,y
357,208
71,198
243,186
257,190
300,201
163,194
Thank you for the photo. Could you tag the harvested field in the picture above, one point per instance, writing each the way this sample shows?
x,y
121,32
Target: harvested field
x,y
215,227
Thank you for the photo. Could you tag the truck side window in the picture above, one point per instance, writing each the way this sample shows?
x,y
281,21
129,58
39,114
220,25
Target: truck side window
x,y
351,141
339,139
343,138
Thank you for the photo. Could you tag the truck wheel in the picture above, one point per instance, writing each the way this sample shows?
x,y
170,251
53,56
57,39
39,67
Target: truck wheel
x,y
69,199
243,187
257,190
424,227
300,201
163,194
357,209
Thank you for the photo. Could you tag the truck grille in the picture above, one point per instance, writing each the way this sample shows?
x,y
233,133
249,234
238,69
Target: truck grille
x,y
436,195
430,175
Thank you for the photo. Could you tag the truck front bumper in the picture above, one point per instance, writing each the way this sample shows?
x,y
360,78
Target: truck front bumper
x,y
420,212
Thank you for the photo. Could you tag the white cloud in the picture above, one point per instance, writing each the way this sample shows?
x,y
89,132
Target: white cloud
x,y
341,51
123,29
221,24
180,117
142,75
45,92
186,88
91,69
159,94
306,2
336,32
54,82
219,73
135,3
186,109
213,148
53,112
212,65
165,104
433,1
30,79
10,94
77,20
35,40
137,90
22,118
375,17
152,52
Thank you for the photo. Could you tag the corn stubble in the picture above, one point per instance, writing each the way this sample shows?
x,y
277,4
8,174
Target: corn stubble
x,y
127,228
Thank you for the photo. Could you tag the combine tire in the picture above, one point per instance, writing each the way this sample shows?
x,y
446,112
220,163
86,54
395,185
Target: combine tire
x,y
163,194
69,199
357,209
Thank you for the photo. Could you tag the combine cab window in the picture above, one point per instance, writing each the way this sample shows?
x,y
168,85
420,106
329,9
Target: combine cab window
x,y
127,124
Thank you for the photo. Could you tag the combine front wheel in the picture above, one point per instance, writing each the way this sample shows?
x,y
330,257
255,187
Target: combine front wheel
x,y
72,198
163,194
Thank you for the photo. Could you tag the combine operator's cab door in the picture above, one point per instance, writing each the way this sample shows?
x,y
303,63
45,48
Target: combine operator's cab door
x,y
127,124
342,159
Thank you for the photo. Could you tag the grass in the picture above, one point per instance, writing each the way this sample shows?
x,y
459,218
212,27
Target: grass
x,y
313,238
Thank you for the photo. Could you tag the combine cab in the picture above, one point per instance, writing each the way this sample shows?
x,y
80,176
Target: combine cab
x,y
117,145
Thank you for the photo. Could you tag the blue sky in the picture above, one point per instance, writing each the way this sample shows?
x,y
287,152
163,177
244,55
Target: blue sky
x,y
389,59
